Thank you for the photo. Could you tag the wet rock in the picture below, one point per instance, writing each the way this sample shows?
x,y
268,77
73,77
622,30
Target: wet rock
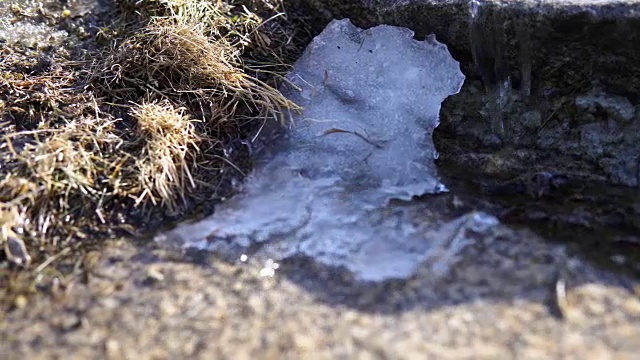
x,y
538,62
531,119
493,141
622,169
520,36
15,249
616,108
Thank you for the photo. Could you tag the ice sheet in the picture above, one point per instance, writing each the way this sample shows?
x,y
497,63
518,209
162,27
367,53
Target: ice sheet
x,y
323,187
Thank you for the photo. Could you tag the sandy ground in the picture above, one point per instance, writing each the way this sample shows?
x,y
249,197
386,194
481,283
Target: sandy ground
x,y
503,300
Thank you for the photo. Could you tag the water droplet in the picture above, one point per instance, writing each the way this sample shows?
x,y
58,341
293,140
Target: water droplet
x,y
441,188
474,8
269,269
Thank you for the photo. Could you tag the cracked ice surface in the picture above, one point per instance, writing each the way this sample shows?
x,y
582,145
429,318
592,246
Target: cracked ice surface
x,y
323,188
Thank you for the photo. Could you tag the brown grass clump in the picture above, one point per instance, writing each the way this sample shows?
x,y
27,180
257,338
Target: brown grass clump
x,y
268,39
59,154
141,132
180,63
188,57
170,149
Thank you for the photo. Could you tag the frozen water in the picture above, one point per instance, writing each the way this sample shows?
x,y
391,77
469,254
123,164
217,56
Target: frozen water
x,y
25,30
371,102
323,188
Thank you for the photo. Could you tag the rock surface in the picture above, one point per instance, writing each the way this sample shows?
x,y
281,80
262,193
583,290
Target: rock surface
x,y
509,34
502,301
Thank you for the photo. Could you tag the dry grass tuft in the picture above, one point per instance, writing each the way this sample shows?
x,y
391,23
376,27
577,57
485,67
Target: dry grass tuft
x,y
180,63
58,154
211,14
170,148
185,61
269,40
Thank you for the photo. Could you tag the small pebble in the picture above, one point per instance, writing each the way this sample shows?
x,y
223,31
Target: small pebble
x,y
15,250
153,276
20,302
632,306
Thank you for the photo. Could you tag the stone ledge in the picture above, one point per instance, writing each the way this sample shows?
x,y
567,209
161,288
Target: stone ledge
x,y
594,38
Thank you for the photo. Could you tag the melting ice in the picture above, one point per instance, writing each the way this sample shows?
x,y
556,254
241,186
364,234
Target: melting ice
x,y
323,187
